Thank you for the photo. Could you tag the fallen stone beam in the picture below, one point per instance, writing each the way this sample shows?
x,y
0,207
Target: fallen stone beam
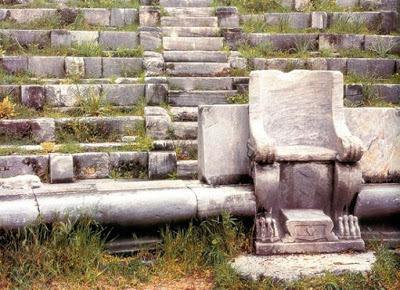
x,y
139,204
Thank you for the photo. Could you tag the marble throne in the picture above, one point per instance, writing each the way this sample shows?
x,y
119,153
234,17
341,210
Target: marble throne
x,y
304,163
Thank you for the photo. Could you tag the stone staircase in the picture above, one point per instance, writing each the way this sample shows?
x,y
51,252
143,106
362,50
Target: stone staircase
x,y
113,92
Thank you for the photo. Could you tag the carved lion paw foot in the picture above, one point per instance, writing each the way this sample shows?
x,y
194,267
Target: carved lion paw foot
x,y
266,229
350,149
348,228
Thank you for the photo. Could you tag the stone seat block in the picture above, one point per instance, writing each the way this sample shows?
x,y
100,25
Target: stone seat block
x,y
189,21
197,68
191,31
195,56
193,43
189,11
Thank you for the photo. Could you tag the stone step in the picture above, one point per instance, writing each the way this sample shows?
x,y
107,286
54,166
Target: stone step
x,y
191,31
200,83
196,98
187,169
193,43
162,145
195,56
197,69
189,21
186,3
189,11
184,113
184,130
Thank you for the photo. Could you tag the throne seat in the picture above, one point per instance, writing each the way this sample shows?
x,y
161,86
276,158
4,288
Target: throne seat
x,y
304,153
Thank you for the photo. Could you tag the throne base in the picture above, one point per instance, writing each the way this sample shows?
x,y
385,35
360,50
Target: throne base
x,y
308,247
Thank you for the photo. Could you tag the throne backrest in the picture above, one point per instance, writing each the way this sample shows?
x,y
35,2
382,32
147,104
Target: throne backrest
x,y
297,108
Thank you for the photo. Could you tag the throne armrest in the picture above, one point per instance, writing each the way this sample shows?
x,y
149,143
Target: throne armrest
x,y
261,148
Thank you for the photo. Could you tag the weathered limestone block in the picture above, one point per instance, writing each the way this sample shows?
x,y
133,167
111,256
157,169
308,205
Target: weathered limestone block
x,y
154,66
319,20
133,163
149,16
197,69
93,67
14,64
43,130
339,64
47,66
33,96
184,130
161,164
26,182
214,167
238,62
317,63
285,64
300,5
84,37
379,131
61,168
118,39
371,67
285,41
123,94
389,21
75,66
209,21
297,20
347,3
28,15
97,16
150,38
158,122
40,38
123,16
228,17
156,94
187,169
11,166
340,41
91,165
193,43
121,66
13,91
3,14
69,95
190,83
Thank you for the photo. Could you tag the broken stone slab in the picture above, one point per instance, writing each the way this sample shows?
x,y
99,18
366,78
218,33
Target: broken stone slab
x,y
340,41
118,39
232,139
26,182
134,163
296,20
294,267
184,130
47,66
161,164
61,168
121,66
123,94
11,166
91,165
376,201
379,131
123,16
158,122
193,43
14,64
371,67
